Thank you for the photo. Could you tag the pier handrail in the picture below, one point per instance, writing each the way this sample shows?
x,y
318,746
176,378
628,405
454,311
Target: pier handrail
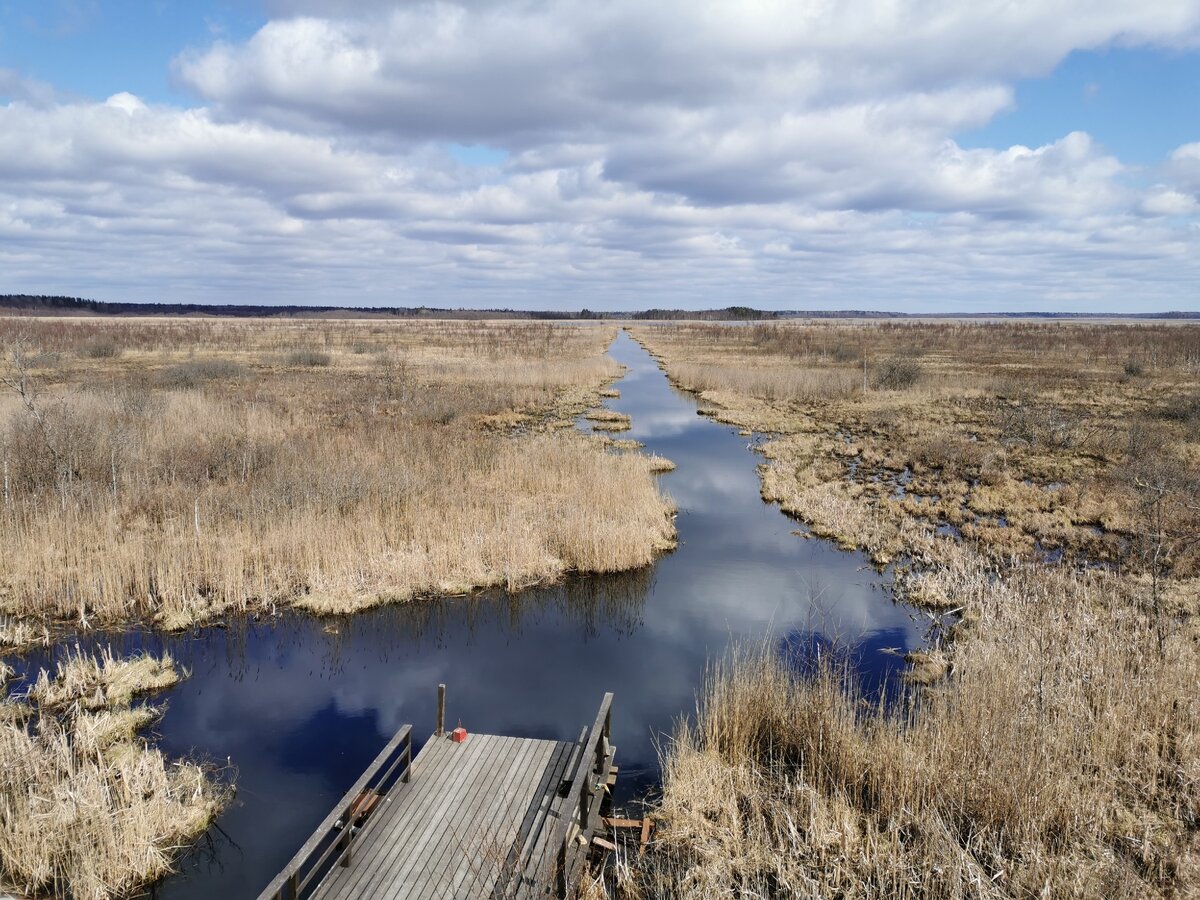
x,y
590,776
308,863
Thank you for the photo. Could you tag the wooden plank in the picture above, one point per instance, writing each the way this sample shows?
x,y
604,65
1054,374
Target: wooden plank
x,y
412,825
459,803
622,823
546,844
435,865
432,769
536,817
503,820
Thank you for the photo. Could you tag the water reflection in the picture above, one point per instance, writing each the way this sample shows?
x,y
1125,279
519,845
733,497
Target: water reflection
x,y
300,707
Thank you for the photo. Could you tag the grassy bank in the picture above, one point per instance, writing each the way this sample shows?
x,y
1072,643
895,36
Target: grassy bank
x,y
88,809
184,469
1039,481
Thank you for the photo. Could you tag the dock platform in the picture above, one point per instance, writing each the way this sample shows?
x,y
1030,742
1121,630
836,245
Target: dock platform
x,y
491,817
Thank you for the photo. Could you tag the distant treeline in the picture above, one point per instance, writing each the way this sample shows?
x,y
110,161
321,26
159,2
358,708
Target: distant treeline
x,y
75,306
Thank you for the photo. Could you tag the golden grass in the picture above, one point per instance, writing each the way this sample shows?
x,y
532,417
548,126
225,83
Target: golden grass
x,y
1030,439
103,680
1026,773
87,809
1049,745
222,467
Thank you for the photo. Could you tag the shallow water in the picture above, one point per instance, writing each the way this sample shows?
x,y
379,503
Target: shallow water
x,y
301,706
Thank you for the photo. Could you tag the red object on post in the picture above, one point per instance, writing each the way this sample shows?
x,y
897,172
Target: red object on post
x,y
459,735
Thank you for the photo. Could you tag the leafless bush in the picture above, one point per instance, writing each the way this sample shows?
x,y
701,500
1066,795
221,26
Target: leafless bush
x,y
310,358
844,352
194,373
1037,424
101,346
897,373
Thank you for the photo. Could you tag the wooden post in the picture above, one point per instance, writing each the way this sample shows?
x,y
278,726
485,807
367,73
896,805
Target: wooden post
x,y
441,719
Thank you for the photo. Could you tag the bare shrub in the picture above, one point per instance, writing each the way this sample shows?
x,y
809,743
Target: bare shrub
x,y
310,358
101,346
1184,409
896,374
194,373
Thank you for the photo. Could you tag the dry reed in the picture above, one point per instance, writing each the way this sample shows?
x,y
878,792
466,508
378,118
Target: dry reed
x,y
87,809
425,458
1050,746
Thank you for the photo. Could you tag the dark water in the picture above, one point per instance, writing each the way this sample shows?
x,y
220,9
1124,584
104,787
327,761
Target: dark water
x,y
301,706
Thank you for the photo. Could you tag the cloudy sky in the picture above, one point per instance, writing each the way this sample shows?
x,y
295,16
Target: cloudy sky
x,y
921,155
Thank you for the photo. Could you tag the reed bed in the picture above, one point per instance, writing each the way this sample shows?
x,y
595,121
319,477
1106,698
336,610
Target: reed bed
x,y
1035,483
213,468
1058,758
88,809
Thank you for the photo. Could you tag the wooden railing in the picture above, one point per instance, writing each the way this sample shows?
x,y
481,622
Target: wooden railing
x,y
588,783
333,842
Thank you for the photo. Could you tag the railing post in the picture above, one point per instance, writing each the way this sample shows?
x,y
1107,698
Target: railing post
x,y
407,777
441,715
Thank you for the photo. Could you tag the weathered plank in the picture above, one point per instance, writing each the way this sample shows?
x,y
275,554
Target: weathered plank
x,y
494,817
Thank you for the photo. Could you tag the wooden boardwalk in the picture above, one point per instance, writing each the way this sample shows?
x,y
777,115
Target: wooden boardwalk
x,y
492,817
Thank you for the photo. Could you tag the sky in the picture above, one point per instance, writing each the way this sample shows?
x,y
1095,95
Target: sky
x,y
904,155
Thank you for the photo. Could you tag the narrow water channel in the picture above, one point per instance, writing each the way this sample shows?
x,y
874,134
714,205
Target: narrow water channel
x,y
301,706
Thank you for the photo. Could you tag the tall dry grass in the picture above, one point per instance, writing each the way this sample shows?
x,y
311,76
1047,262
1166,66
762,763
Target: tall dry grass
x,y
208,468
88,809
1060,758
1049,746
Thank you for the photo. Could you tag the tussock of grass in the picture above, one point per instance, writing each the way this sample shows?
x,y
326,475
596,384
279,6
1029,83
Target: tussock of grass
x,y
621,443
87,808
606,415
660,463
104,680
17,632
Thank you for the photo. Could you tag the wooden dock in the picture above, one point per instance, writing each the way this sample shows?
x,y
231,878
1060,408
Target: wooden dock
x,y
491,817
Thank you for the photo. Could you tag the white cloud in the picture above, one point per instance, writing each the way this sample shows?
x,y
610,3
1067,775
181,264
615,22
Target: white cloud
x,y
777,153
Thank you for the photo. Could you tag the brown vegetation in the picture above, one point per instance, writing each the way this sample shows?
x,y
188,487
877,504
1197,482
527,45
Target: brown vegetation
x,y
218,466
87,808
1031,482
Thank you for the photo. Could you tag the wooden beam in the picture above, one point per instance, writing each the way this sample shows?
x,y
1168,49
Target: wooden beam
x,y
441,714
